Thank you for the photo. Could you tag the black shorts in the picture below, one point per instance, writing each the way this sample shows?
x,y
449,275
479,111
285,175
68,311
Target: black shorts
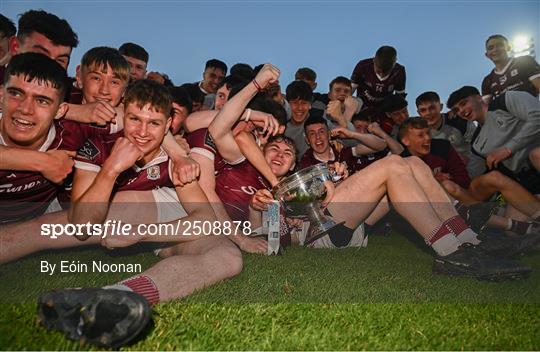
x,y
340,235
529,179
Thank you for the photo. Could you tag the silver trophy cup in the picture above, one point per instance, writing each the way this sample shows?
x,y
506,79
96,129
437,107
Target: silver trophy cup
x,y
301,195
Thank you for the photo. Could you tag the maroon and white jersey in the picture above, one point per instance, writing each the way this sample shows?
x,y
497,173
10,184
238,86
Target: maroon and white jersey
x,y
155,174
235,185
75,95
27,194
345,154
516,75
372,88
201,142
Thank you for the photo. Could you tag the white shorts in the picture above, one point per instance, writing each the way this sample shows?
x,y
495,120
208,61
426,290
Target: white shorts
x,y
169,207
53,207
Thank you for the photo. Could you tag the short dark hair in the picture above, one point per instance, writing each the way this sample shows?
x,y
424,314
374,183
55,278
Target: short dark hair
x,y
167,81
134,50
242,72
496,36
55,29
305,73
101,56
285,139
385,58
7,27
299,90
275,109
361,116
238,87
35,66
257,68
411,123
146,91
393,103
340,80
181,97
428,97
460,94
261,102
231,81
194,92
215,63
315,119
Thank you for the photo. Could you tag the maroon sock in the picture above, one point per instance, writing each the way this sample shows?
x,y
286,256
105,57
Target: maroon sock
x,y
461,230
443,241
144,286
520,227
456,224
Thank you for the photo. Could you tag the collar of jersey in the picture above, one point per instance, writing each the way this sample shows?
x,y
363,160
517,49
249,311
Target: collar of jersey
x,y
332,156
161,157
505,67
45,146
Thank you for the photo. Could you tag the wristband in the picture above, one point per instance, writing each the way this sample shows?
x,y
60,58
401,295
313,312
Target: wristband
x,y
256,84
248,114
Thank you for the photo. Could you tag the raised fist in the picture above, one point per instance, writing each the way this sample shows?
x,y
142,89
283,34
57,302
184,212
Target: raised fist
x,y
267,75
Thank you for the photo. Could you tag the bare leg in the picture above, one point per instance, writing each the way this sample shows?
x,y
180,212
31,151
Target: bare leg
x,y
24,238
435,193
534,157
379,212
358,196
195,265
459,193
482,187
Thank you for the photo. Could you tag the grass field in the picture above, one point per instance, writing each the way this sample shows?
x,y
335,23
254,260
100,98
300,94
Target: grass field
x,y
381,297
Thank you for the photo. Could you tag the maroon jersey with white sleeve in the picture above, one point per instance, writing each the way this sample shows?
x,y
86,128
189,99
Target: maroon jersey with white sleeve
x,y
92,155
27,194
235,185
201,142
516,75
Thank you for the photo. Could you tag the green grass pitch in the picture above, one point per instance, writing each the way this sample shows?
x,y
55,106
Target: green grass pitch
x,y
382,297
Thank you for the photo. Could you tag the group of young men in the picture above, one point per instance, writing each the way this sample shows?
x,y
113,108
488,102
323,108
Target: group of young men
x,y
119,144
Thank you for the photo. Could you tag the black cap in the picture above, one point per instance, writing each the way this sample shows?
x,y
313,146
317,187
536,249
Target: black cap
x,y
460,94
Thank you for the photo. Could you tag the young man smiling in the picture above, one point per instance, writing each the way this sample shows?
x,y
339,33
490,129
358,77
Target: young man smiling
x,y
102,76
318,135
510,73
44,33
133,160
510,130
33,97
450,171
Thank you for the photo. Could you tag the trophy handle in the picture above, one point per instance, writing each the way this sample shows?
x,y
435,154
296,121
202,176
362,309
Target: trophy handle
x,y
330,190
